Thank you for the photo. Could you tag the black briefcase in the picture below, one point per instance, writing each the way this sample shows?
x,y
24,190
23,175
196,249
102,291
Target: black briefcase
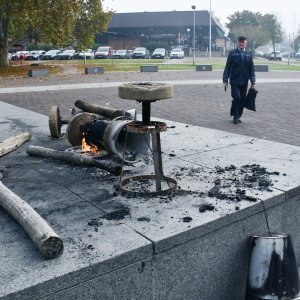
x,y
250,99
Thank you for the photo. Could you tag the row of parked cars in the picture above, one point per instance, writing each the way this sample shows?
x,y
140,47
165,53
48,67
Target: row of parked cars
x,y
141,52
103,52
271,55
51,54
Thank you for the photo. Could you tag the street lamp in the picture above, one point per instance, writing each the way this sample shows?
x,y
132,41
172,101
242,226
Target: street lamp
x,y
289,55
188,32
209,29
194,7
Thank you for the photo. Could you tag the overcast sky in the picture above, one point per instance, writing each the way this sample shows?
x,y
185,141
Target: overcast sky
x,y
287,11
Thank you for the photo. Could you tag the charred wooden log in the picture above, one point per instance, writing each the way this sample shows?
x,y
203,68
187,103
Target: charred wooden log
x,y
74,158
43,236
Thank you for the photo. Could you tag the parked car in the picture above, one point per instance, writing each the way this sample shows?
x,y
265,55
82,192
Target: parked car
x,y
35,54
87,53
177,53
259,53
277,55
130,53
51,54
140,52
67,54
122,53
104,52
159,53
20,55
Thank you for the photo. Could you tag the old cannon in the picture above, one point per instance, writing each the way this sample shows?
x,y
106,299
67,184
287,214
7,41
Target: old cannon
x,y
96,111
101,127
119,134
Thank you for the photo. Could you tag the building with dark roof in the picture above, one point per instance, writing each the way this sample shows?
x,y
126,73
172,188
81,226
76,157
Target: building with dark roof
x,y
170,28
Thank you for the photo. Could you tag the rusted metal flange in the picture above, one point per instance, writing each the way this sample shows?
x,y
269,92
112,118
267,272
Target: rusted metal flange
x,y
141,181
74,132
139,127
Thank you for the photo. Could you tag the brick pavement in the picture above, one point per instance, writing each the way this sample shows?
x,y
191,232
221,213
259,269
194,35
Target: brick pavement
x,y
276,119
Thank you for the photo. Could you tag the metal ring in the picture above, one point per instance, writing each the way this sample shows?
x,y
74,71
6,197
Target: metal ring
x,y
172,183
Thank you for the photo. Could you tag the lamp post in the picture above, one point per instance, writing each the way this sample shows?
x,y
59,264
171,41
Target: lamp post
x,y
289,55
194,8
209,29
188,33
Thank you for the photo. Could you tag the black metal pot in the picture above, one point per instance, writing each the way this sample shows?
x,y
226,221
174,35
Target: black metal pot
x,y
273,271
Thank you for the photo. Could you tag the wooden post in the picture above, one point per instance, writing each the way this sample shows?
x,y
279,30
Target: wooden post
x,y
43,236
74,158
13,142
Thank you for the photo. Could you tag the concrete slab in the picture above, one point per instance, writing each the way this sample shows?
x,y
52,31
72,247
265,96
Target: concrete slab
x,y
270,155
165,247
131,282
183,140
196,269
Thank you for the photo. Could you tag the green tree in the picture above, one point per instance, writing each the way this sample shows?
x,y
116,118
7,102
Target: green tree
x,y
92,20
57,22
259,29
272,26
296,44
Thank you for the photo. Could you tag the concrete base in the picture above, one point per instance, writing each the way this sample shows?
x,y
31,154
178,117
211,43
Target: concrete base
x,y
149,68
36,73
261,68
118,247
203,67
94,70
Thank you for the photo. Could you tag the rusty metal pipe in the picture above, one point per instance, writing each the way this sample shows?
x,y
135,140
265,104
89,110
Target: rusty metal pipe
x,y
107,112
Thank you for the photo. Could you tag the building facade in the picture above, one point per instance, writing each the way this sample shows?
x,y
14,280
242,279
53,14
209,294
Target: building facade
x,y
165,29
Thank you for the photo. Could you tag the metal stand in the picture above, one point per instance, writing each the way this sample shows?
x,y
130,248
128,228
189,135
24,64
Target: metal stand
x,y
153,128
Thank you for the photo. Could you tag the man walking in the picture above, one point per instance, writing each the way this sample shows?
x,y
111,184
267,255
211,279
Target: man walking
x,y
239,70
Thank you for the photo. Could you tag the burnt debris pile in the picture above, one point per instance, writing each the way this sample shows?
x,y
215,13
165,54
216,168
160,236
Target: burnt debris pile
x,y
234,181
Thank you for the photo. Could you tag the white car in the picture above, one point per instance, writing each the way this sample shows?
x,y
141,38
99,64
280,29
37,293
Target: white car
x,y
67,54
20,55
177,53
159,53
122,53
277,55
88,54
35,54
140,52
104,52
51,54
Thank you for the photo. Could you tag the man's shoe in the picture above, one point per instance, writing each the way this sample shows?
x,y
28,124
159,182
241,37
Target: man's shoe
x,y
235,120
240,121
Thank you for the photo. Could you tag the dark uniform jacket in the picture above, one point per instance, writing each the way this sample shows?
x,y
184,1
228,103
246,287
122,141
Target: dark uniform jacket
x,y
239,68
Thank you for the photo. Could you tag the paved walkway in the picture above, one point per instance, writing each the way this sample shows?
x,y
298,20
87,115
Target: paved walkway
x,y
199,99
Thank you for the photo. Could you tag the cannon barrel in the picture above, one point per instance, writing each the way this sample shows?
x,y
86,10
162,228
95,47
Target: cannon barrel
x,y
107,112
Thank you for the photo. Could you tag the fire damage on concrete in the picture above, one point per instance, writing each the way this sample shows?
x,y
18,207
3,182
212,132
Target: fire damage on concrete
x,y
114,143
114,167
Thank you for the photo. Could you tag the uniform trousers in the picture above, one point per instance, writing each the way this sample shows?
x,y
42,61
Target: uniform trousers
x,y
238,93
